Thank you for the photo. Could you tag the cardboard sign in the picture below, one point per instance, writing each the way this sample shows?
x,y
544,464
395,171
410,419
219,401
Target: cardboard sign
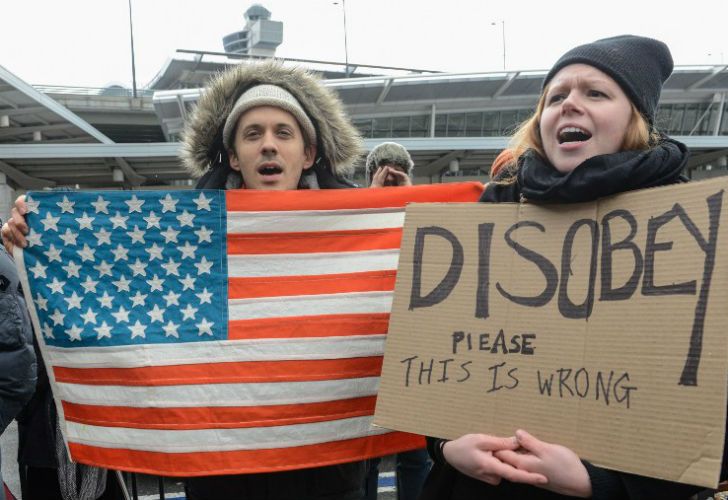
x,y
599,326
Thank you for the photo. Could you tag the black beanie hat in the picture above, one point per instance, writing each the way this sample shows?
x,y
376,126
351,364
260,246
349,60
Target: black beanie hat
x,y
639,65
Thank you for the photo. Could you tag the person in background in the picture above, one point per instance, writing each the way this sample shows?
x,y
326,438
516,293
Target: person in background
x,y
17,358
390,164
592,135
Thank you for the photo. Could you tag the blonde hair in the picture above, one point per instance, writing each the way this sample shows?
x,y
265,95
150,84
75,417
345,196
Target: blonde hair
x,y
639,135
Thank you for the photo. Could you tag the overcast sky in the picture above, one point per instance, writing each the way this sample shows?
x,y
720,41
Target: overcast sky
x,y
86,42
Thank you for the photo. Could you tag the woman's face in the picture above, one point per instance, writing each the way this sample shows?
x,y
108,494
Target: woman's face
x,y
585,114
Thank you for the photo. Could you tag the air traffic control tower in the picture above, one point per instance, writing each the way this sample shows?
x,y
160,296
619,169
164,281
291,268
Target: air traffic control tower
x,y
260,37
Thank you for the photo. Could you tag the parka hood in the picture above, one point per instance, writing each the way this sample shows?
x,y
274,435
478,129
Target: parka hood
x,y
339,144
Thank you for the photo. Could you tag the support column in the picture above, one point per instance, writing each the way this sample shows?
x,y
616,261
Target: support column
x,y
7,198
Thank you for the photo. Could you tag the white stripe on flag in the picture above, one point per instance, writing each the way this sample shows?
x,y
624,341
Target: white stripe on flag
x,y
191,396
311,264
316,220
133,356
304,305
188,441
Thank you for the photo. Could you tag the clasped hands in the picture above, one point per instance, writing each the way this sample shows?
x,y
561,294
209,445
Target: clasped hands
x,y
519,459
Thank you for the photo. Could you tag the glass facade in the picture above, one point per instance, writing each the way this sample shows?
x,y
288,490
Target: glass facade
x,y
673,119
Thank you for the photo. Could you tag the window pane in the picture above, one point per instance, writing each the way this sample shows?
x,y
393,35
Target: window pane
x,y
474,124
509,122
400,126
691,118
440,125
490,123
420,126
364,126
382,127
456,125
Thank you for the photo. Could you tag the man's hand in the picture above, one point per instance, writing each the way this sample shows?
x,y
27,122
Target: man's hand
x,y
390,176
562,467
15,229
473,455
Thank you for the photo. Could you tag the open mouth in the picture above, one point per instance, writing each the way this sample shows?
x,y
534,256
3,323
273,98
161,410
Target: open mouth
x,y
573,134
270,169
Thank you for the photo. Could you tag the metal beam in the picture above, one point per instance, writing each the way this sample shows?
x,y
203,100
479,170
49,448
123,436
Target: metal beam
x,y
129,173
23,180
385,90
707,78
30,110
511,78
706,158
52,105
13,131
434,167
94,150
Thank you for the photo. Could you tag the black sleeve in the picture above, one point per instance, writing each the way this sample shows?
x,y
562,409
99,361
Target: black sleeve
x,y
612,485
434,449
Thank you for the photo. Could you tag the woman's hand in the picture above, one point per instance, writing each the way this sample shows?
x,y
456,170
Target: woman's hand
x,y
472,454
15,229
562,467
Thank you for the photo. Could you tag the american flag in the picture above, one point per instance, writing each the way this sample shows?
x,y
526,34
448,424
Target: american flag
x,y
217,332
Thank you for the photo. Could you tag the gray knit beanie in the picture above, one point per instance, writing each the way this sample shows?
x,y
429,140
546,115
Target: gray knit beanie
x,y
638,64
389,152
267,95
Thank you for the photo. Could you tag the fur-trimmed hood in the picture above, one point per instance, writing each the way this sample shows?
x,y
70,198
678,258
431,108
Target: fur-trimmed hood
x,y
339,144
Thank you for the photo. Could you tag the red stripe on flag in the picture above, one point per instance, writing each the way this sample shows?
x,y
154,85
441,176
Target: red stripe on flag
x,y
342,199
245,461
283,286
218,417
313,242
225,373
332,325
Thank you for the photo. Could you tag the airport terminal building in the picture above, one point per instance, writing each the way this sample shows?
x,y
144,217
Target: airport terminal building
x,y
454,124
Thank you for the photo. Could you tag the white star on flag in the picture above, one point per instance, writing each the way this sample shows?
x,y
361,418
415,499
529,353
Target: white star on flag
x,y
69,237
137,236
204,327
74,301
119,221
152,221
101,206
168,204
202,202
50,223
103,237
38,270
74,333
72,269
32,205
135,204
66,206
84,222
104,331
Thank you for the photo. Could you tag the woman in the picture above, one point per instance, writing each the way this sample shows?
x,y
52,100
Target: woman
x,y
592,135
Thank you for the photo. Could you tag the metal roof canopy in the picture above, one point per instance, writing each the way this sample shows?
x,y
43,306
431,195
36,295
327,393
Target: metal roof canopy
x,y
86,164
32,113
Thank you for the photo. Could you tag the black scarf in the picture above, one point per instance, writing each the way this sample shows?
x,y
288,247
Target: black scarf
x,y
602,175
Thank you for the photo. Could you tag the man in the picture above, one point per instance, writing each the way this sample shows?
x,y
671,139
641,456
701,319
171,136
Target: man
x,y
389,164
273,128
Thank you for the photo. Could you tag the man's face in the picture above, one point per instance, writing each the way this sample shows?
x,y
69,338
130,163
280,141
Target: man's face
x,y
269,150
